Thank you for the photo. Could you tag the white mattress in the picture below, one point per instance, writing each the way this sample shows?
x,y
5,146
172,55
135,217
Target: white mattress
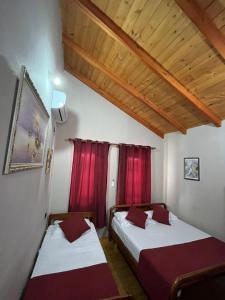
x,y
156,235
57,254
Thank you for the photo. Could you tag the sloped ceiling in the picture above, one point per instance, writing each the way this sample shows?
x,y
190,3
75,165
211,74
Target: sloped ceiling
x,y
162,62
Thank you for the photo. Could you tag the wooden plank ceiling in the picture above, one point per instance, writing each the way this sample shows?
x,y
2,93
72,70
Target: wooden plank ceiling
x,y
160,61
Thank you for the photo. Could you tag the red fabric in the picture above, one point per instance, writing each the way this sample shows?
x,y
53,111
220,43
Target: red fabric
x,y
73,227
137,216
95,282
160,215
134,175
158,268
89,179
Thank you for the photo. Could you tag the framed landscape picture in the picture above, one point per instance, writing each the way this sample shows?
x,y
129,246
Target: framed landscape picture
x,y
28,129
191,168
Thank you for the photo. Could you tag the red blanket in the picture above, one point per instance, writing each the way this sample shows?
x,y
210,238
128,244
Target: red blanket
x,y
95,282
158,268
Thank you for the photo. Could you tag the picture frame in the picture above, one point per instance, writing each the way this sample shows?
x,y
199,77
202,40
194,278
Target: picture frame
x,y
28,130
192,168
48,160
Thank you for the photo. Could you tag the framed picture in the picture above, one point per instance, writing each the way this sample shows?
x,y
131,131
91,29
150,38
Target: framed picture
x,y
48,160
28,129
191,168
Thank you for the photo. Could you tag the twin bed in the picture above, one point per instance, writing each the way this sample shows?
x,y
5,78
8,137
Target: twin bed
x,y
71,271
167,259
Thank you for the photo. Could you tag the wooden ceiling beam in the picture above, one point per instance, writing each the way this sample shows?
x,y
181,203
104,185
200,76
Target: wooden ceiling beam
x,y
113,30
205,25
114,101
126,86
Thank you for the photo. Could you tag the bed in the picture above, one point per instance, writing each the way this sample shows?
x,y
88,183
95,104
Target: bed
x,y
71,270
168,260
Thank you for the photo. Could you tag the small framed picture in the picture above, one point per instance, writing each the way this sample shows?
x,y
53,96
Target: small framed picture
x,y
48,161
191,168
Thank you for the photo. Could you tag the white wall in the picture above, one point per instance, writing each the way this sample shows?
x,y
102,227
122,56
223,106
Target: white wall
x,y
201,203
30,36
92,117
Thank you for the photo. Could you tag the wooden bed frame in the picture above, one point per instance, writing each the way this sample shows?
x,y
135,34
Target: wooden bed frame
x,y
181,281
85,214
92,217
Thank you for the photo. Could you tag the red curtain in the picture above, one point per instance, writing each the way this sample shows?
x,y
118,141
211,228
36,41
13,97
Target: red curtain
x,y
89,179
134,175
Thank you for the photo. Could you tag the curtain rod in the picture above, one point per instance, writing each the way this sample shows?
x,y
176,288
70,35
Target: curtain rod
x,y
111,144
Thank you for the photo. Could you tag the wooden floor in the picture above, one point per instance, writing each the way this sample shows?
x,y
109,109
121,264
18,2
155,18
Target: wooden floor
x,y
124,277
128,283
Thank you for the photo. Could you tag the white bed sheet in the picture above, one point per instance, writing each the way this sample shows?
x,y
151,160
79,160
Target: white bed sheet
x,y
156,235
57,254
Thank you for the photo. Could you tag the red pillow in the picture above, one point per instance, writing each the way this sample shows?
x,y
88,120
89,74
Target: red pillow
x,y
73,227
137,216
160,215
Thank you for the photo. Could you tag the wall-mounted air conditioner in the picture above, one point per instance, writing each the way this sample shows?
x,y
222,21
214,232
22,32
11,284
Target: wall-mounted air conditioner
x,y
59,109
60,114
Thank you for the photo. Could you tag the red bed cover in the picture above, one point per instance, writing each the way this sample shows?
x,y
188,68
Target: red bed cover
x,y
90,283
159,267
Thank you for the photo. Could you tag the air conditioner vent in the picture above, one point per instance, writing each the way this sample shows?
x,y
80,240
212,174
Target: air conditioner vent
x,y
59,109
